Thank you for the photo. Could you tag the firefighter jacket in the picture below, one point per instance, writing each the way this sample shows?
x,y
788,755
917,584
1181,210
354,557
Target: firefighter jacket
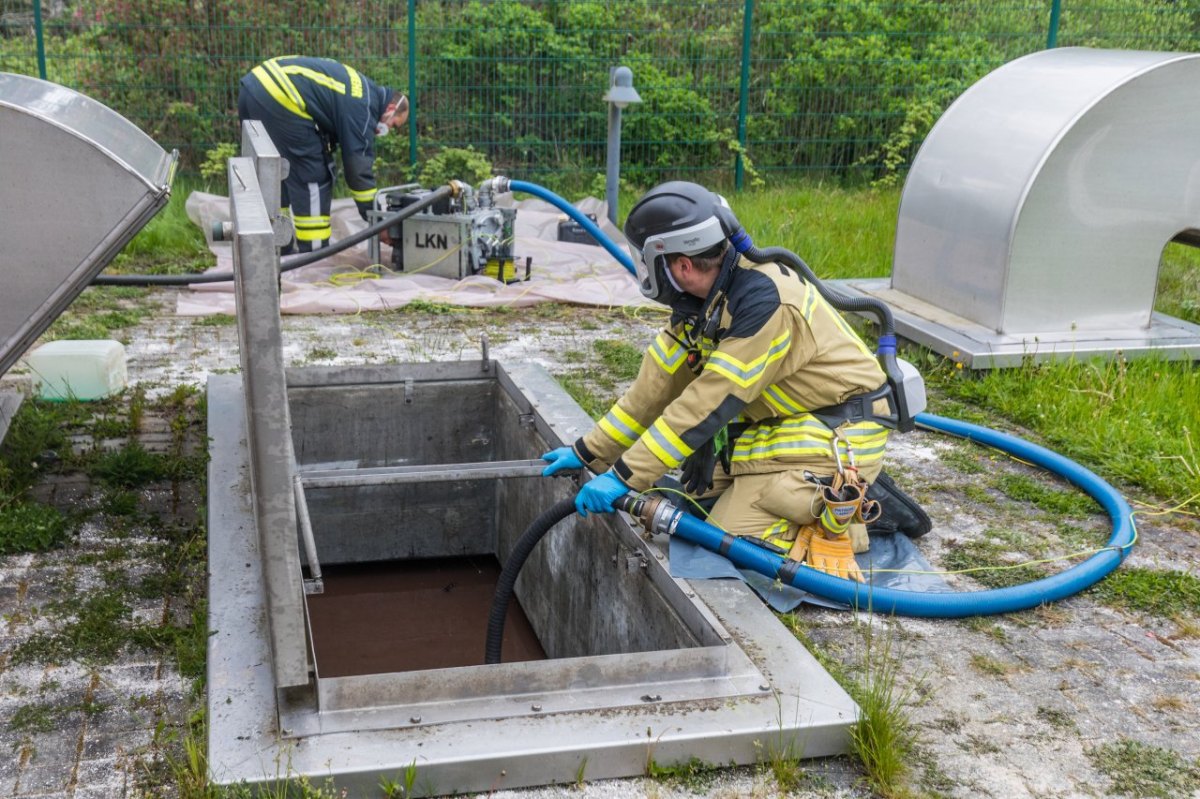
x,y
344,106
778,351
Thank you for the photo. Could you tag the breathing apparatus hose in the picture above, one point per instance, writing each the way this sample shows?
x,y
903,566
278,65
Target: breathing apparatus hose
x,y
289,262
512,568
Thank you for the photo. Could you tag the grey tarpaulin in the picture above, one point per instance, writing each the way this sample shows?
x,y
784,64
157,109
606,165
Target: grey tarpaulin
x,y
897,552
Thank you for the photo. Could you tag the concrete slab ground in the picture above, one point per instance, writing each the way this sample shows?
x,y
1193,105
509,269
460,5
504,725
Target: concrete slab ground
x,y
1080,699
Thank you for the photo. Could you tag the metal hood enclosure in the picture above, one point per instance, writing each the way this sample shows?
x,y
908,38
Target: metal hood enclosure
x,y
1034,217
77,181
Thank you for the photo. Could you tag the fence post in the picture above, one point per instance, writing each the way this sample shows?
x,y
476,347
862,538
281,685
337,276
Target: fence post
x,y
743,93
412,83
1055,13
41,39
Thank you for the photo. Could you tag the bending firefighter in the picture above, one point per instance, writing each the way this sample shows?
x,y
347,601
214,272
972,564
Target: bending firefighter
x,y
310,107
755,371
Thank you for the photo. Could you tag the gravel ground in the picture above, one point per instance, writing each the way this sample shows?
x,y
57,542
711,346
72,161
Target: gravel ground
x,y
1083,698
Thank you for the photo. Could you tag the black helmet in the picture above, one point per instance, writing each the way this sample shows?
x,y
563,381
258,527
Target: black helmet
x,y
674,218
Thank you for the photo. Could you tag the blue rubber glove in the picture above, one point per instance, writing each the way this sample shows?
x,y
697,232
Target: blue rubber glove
x,y
561,460
599,494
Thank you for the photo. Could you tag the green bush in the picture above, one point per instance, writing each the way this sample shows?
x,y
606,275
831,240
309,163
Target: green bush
x,y
846,88
30,527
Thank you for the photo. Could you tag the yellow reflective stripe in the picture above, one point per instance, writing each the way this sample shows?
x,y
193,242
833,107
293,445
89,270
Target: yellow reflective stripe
x,y
311,221
621,427
745,374
355,81
666,446
364,196
278,94
316,77
808,436
315,234
778,398
285,83
810,301
667,353
777,530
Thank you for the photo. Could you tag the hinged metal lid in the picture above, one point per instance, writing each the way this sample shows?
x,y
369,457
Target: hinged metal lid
x,y
77,182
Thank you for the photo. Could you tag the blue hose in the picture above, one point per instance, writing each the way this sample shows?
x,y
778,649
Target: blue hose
x,y
943,605
573,212
890,600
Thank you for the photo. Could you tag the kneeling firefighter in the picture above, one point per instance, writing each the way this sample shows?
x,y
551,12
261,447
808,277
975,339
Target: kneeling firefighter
x,y
756,371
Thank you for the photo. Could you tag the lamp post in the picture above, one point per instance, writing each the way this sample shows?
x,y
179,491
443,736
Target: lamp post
x,y
620,94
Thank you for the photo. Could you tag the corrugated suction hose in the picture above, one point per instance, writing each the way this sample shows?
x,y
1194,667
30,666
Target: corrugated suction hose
x,y
512,568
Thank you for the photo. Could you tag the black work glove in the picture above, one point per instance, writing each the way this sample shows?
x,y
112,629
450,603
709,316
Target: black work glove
x,y
698,469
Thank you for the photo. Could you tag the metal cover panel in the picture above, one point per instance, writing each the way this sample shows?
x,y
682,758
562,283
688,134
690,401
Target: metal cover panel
x,y
1041,200
77,181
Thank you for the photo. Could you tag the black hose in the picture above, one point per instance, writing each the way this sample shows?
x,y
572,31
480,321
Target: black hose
x,y
840,301
508,575
292,262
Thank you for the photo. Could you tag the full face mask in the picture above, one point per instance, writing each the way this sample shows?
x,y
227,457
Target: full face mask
x,y
650,262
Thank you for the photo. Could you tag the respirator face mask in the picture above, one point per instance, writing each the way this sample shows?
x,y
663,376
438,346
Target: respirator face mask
x,y
381,129
650,262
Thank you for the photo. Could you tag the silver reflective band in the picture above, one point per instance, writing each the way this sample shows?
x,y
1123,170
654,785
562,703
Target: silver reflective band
x,y
686,241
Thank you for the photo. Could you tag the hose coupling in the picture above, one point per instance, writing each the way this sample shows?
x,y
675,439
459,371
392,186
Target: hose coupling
x,y
655,513
497,185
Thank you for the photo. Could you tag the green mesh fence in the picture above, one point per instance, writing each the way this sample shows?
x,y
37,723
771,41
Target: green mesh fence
x,y
841,88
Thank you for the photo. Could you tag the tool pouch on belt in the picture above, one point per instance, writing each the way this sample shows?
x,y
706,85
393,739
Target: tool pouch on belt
x,y
842,504
846,509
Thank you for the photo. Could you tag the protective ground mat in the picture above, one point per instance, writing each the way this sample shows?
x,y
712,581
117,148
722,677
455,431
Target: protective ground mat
x,y
560,271
906,570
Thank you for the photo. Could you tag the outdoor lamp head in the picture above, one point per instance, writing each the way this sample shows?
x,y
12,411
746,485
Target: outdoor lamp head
x,y
620,90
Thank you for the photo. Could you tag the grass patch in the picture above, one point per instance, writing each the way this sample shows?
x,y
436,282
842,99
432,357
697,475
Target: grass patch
x,y
985,561
839,232
1165,594
582,391
170,243
1138,769
102,628
1024,488
693,774
133,466
1179,282
215,320
32,527
883,736
619,359
36,437
986,664
99,312
1132,421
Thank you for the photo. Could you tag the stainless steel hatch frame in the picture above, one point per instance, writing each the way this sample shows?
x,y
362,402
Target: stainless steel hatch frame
x,y
643,667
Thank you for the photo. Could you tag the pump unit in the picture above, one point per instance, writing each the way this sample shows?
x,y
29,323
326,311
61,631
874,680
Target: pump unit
x,y
454,239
